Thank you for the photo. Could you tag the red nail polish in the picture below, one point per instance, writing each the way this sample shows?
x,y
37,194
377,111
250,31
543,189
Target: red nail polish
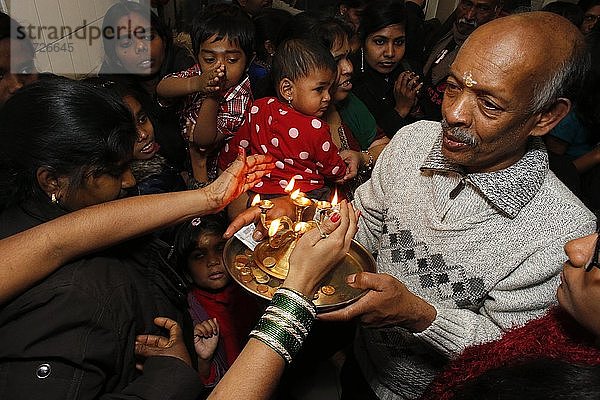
x,y
335,217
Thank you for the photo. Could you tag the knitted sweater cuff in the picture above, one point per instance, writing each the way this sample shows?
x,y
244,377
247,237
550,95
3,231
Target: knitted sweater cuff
x,y
452,331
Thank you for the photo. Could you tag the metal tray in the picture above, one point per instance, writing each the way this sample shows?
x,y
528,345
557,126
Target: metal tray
x,y
358,259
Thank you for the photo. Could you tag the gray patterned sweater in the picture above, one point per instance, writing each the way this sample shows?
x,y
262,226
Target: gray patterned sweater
x,y
487,260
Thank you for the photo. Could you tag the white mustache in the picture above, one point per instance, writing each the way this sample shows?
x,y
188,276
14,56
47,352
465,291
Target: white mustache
x,y
461,134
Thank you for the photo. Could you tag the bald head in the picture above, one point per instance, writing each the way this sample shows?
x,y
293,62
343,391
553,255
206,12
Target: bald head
x,y
542,50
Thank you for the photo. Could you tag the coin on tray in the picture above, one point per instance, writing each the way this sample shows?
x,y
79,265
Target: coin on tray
x,y
269,262
328,290
242,259
262,288
246,275
259,275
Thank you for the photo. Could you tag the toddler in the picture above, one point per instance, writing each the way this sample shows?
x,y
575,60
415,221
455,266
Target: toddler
x,y
289,127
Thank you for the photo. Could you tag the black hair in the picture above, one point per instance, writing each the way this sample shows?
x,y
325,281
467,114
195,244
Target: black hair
x,y
587,4
188,233
353,3
297,58
323,30
329,30
71,128
570,11
111,62
539,379
223,20
268,24
381,13
9,29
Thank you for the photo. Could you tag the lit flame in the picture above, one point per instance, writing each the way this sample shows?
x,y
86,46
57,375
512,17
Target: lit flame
x,y
274,227
295,194
290,185
301,227
256,200
334,201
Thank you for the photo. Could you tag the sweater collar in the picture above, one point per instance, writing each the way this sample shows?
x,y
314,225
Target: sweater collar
x,y
509,189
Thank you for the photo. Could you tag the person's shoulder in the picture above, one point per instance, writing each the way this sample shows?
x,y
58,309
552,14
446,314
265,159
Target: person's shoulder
x,y
418,131
554,199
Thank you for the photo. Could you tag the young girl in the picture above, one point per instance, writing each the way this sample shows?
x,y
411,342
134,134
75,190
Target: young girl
x,y
217,87
288,127
224,314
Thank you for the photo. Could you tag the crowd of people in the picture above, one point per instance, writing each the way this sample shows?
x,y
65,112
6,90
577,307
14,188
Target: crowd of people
x,y
465,151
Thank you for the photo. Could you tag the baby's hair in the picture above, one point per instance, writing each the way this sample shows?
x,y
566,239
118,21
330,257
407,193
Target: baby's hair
x,y
189,232
297,58
223,20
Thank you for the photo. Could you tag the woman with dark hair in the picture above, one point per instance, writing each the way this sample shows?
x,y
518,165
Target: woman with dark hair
x,y
384,80
72,334
139,51
17,67
352,126
350,11
591,14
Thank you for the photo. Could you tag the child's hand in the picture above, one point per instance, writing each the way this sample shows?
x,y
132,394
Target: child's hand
x,y
206,338
352,160
209,81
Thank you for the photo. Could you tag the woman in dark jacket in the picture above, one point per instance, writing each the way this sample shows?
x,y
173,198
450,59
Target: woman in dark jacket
x,y
383,79
72,335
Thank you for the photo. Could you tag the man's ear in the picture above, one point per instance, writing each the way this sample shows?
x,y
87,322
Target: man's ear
x,y
48,180
550,117
286,89
343,9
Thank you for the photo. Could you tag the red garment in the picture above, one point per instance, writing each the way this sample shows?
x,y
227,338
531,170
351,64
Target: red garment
x,y
301,145
555,336
236,312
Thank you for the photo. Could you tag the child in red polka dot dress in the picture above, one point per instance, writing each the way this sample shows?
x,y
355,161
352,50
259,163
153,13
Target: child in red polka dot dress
x,y
288,127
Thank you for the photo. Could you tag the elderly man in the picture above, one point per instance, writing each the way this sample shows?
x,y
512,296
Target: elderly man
x,y
466,219
469,14
467,222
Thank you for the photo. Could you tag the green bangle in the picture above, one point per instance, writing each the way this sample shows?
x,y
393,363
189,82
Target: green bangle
x,y
291,306
278,338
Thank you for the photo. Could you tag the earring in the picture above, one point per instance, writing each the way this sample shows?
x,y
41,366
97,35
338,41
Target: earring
x,y
53,198
362,60
289,101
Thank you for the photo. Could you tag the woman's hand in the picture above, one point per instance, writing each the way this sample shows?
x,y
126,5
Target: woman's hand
x,y
353,162
283,206
315,254
406,88
242,174
155,345
206,338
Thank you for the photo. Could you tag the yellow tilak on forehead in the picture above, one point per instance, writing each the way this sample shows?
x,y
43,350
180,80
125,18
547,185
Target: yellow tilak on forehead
x,y
468,79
